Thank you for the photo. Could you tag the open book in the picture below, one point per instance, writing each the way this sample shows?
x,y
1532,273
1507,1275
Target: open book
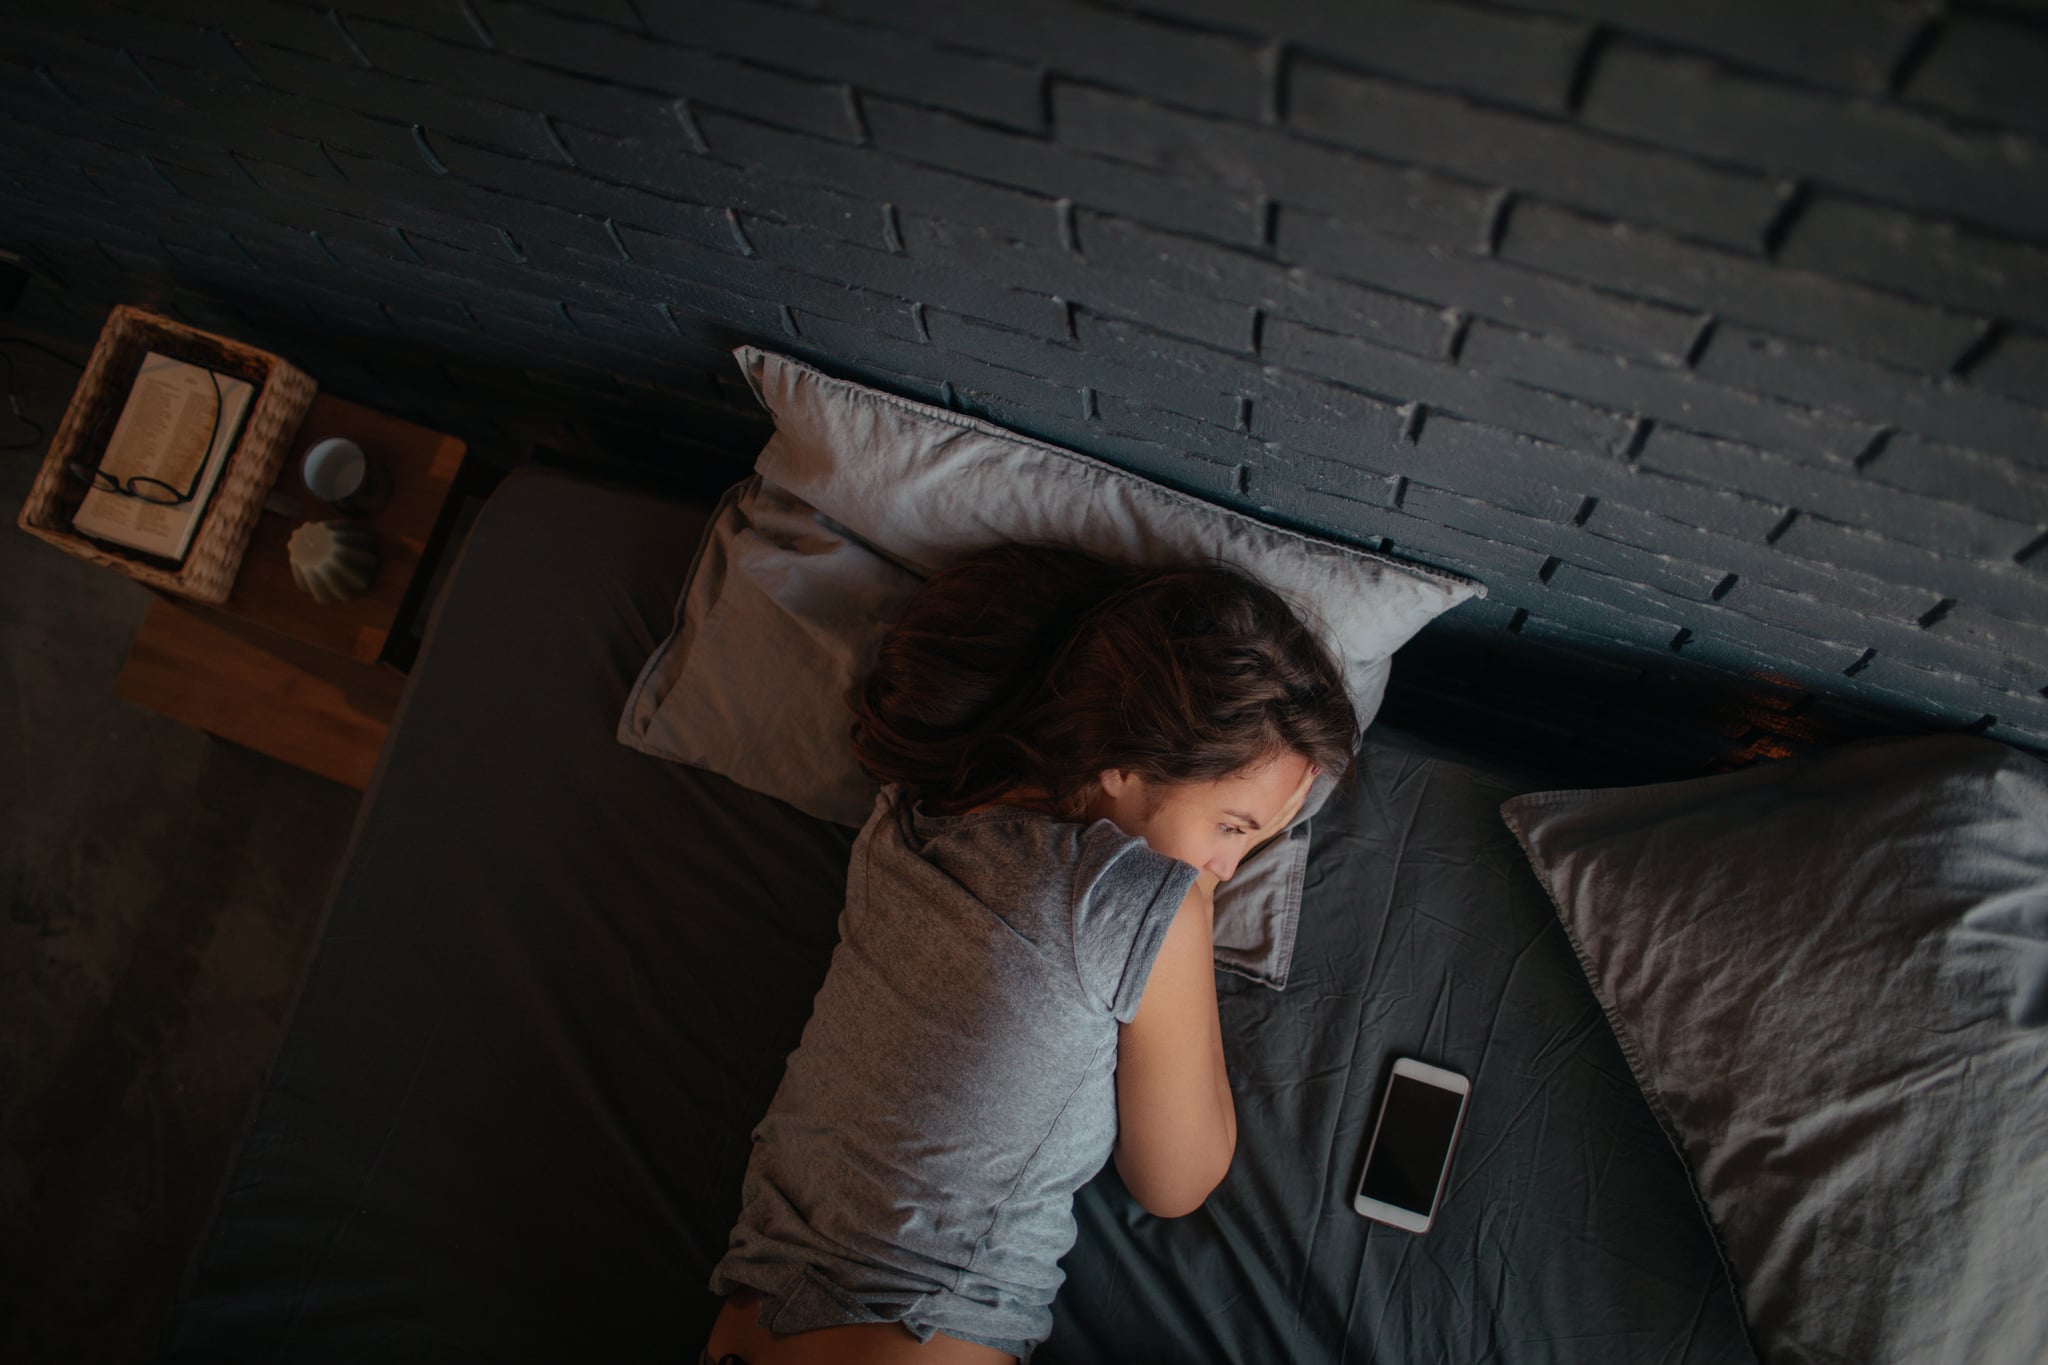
x,y
171,442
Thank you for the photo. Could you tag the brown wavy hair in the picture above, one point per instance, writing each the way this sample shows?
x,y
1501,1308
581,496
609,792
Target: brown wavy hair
x,y
1027,670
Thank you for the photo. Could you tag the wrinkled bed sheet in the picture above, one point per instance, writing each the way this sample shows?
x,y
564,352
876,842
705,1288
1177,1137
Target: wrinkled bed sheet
x,y
557,979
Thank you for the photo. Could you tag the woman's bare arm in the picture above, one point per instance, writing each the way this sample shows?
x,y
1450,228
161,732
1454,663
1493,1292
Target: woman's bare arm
x,y
1176,1123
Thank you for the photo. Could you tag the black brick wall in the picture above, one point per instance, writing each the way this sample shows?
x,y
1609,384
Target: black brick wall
x,y
1713,337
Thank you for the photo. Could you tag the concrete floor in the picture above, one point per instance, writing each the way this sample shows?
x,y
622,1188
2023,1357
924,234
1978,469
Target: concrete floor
x,y
161,891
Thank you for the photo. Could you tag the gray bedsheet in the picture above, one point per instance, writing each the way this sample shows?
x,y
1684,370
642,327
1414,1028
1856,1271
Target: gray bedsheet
x,y
558,978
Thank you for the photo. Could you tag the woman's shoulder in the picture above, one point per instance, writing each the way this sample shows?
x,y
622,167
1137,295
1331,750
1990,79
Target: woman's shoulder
x,y
1000,830
1007,849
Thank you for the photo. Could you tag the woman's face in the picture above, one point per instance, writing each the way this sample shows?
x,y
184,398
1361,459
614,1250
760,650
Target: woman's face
x,y
1211,825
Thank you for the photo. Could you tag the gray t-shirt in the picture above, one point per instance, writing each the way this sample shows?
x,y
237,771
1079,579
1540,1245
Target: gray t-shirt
x,y
956,1082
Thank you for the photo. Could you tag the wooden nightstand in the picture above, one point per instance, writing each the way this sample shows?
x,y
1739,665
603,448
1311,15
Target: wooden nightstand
x,y
316,686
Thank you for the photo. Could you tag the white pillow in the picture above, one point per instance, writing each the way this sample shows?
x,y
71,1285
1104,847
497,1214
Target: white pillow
x,y
859,495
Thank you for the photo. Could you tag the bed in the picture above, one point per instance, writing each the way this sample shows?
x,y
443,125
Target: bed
x,y
557,978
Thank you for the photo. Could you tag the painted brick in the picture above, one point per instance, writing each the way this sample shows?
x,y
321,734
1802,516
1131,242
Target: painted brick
x,y
343,315
1984,648
827,355
63,158
1947,410
132,117
1364,481
1345,519
1565,621
955,144
2031,737
52,195
1885,152
1855,44
870,174
1305,414
83,68
314,32
1668,395
1527,299
1264,164
1224,75
246,102
1107,357
732,299
335,262
546,186
1755,563
1730,285
1387,474
1554,160
401,190
203,47
283,196
568,354
2026,643
845,303
997,89
1483,518
304,30
2017,366
1922,257
1171,363
2008,590
1842,496
980,295
1584,558
1941,471
442,18
1016,400
1457,454
1722,637
1986,67
414,308
528,295
1276,495
1162,460
1928,698
1195,268
208,198
622,109
318,203
664,168
1219,445
610,54
1518,59
642,329
1458,389
990,256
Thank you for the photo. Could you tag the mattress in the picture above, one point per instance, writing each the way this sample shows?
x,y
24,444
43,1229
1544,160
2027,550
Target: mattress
x,y
556,981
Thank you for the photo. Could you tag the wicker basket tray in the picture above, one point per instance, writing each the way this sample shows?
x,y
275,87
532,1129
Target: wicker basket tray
x,y
283,393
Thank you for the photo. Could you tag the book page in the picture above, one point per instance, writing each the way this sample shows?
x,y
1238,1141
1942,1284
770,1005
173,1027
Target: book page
x,y
162,434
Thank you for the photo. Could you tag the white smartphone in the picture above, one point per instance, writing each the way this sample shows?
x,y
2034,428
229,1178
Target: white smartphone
x,y
1409,1159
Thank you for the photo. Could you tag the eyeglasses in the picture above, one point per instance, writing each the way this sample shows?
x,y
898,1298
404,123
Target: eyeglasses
x,y
143,486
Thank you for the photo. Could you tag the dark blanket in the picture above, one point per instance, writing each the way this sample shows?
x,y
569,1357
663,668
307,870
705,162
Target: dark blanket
x,y
558,978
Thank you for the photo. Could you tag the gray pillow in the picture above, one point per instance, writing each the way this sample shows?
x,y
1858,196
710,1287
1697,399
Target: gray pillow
x,y
859,496
1830,976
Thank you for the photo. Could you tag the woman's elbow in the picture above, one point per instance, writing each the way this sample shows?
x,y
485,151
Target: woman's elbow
x,y
1179,1192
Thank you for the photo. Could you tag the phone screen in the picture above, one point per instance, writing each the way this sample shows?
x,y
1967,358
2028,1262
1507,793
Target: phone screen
x,y
1416,1129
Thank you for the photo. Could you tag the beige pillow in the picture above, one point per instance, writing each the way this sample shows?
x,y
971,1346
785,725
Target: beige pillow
x,y
858,496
